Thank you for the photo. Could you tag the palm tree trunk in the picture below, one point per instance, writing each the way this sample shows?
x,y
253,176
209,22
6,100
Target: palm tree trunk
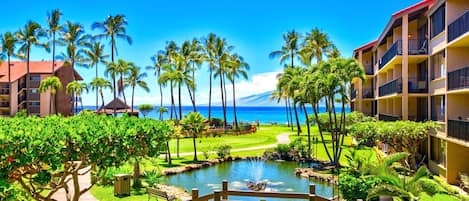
x,y
161,93
286,112
226,95
309,132
193,88
114,75
53,52
102,97
315,110
9,85
195,148
210,98
28,77
298,127
291,115
168,152
96,90
192,98
123,91
132,103
177,146
222,98
172,101
179,99
234,104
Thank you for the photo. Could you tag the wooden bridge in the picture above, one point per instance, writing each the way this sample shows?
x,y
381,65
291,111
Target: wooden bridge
x,y
222,195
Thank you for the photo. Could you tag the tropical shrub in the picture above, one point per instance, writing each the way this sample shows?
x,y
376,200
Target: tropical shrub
x,y
108,178
39,153
350,119
153,177
301,146
353,188
223,151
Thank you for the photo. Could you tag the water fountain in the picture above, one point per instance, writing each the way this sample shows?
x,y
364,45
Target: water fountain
x,y
256,167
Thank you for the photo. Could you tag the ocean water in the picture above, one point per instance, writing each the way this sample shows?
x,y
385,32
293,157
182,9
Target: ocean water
x,y
265,115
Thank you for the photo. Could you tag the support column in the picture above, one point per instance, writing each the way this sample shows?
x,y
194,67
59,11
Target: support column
x,y
360,85
405,67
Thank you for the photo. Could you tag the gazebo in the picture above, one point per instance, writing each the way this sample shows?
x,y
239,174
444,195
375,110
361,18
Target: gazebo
x,y
121,107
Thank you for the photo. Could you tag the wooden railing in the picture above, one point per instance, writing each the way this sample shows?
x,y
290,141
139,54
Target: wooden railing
x,y
219,195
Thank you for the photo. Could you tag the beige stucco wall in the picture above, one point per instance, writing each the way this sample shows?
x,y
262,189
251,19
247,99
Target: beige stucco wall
x,y
458,106
45,100
437,86
437,43
455,8
14,98
413,106
455,161
396,34
397,71
457,58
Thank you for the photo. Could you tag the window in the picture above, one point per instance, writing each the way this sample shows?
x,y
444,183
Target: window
x,y
34,91
34,103
438,108
438,151
35,77
438,68
438,21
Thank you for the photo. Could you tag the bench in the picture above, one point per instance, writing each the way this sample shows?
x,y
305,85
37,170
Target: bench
x,y
152,192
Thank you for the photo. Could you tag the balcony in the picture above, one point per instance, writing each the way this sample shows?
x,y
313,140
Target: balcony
x,y
458,79
415,47
34,109
458,129
388,117
34,83
34,96
353,94
391,87
21,86
417,86
4,91
368,93
459,27
369,69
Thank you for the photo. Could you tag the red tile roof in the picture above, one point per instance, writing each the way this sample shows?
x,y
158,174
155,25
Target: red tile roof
x,y
18,69
366,46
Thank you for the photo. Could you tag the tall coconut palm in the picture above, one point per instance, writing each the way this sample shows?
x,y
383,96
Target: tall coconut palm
x,y
76,88
75,39
51,84
7,50
209,44
158,61
168,77
53,21
113,27
123,69
99,84
28,37
317,44
112,69
136,79
171,50
221,51
194,124
95,55
289,82
196,58
237,68
289,51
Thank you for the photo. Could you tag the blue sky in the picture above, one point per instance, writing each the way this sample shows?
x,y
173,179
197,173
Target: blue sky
x,y
254,27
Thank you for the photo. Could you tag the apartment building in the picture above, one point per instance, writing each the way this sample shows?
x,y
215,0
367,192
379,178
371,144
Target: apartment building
x,y
33,101
418,70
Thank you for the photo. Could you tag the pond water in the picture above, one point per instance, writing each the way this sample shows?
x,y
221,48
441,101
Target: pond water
x,y
280,177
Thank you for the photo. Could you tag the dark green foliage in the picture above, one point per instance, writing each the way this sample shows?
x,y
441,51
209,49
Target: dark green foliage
x,y
153,177
223,151
353,188
301,146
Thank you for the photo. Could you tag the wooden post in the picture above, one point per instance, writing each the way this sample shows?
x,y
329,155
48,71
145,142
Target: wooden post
x,y
195,194
312,197
216,195
312,189
224,194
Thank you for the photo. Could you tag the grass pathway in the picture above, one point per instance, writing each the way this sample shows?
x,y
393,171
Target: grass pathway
x,y
281,139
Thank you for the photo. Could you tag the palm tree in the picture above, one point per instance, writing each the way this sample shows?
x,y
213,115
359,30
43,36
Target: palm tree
x,y
158,61
95,54
76,88
162,110
194,124
28,37
168,77
112,69
145,109
289,51
51,84
98,84
196,58
236,68
123,69
221,52
74,38
288,83
113,27
53,20
209,44
136,79
316,44
7,49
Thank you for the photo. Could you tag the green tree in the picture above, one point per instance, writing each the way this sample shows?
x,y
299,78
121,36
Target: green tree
x,y
28,37
136,79
316,45
123,69
145,109
113,27
75,39
236,68
221,51
98,84
289,83
51,84
209,44
168,77
76,88
53,21
95,56
158,61
194,124
7,50
196,57
162,110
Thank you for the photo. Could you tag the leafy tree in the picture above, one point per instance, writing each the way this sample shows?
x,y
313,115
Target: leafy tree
x,y
194,124
136,79
76,88
53,21
29,37
237,67
51,84
209,44
158,61
113,27
289,83
123,69
74,38
62,148
98,84
162,110
145,109
7,50
95,56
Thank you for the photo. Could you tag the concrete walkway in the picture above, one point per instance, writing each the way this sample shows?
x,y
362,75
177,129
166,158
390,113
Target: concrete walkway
x,y
84,181
281,139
